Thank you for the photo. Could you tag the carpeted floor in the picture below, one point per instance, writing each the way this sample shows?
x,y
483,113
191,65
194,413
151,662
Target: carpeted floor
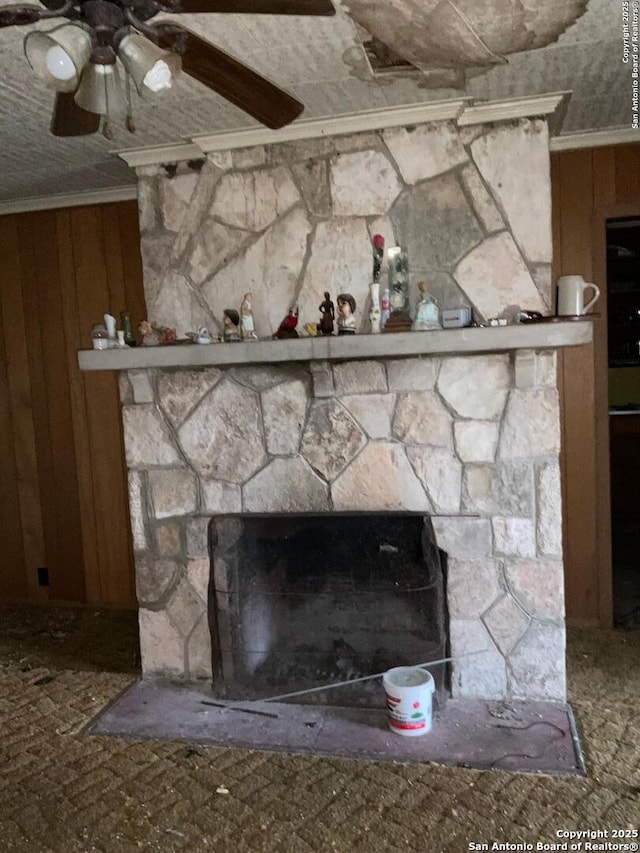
x,y
62,791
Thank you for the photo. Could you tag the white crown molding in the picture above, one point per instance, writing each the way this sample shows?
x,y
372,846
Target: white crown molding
x,y
461,110
157,154
333,125
595,138
50,202
513,108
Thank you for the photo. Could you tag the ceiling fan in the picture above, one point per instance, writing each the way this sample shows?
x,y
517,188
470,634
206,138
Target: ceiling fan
x,y
82,57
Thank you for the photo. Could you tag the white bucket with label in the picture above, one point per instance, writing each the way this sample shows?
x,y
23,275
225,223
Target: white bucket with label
x,y
409,691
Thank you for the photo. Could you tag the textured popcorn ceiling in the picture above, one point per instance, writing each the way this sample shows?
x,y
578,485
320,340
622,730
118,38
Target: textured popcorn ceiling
x,y
321,61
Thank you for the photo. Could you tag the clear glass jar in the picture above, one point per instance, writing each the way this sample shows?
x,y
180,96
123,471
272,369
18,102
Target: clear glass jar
x,y
100,337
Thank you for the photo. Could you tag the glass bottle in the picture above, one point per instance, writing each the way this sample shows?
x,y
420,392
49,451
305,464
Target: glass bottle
x,y
125,322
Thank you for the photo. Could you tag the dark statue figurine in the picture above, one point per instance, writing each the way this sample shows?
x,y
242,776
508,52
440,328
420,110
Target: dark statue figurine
x,y
287,329
327,310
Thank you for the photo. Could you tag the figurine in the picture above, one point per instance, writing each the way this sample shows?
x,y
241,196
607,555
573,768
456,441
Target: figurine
x,y
346,318
231,321
287,329
153,335
328,313
247,327
427,314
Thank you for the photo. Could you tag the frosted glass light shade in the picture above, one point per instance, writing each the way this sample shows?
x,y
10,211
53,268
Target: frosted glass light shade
x,y
59,55
151,69
100,90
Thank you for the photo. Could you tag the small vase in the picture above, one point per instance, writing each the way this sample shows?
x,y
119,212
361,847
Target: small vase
x,y
110,323
374,311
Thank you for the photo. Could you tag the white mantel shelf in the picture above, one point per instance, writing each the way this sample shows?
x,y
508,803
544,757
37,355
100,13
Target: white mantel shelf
x,y
394,345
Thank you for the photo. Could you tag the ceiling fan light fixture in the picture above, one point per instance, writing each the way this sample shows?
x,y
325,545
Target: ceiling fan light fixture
x,y
151,68
100,90
58,56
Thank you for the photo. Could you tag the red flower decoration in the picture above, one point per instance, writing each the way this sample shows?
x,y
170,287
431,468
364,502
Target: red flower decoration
x,y
416,704
378,241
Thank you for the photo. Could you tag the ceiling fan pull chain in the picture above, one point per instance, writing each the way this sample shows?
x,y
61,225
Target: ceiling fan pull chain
x,y
130,121
106,125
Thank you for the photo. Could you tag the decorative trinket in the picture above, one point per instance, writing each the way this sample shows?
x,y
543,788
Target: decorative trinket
x,y
231,325
287,329
247,326
346,310
327,315
427,313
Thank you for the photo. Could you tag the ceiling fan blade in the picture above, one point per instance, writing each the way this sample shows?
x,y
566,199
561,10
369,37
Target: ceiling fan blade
x,y
71,120
251,7
232,79
16,16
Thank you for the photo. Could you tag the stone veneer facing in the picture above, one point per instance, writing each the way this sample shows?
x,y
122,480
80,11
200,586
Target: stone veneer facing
x,y
290,220
473,440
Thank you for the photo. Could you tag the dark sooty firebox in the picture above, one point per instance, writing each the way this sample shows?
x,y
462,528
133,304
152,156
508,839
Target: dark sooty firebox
x,y
299,600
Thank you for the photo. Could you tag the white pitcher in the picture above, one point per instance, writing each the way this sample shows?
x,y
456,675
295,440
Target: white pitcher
x,y
571,290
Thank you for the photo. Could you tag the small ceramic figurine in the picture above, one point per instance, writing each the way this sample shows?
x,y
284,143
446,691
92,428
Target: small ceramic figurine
x,y
153,335
231,321
346,310
247,326
427,314
328,315
287,329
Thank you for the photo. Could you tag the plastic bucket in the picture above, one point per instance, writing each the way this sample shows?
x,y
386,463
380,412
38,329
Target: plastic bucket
x,y
409,691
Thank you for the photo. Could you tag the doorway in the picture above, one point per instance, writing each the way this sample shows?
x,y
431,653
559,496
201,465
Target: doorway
x,y
623,298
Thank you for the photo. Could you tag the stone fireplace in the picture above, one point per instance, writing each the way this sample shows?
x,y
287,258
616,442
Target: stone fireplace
x,y
456,438
461,426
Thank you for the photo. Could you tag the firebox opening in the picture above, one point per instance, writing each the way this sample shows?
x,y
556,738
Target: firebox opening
x,y
301,600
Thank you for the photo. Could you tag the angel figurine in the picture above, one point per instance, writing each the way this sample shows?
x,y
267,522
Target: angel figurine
x,y
247,326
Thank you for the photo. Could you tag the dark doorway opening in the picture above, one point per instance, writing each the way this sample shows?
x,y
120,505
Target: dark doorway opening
x,y
623,288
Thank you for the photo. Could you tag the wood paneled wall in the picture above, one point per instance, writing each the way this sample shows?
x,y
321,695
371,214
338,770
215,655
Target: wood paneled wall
x,y
589,186
63,500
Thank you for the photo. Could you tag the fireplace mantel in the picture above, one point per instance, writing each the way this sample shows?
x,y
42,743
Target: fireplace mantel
x,y
474,340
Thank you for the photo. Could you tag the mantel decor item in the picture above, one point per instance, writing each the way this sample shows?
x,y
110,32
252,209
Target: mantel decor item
x,y
287,328
346,314
125,321
99,337
427,314
231,326
327,315
247,326
399,304
374,310
110,323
